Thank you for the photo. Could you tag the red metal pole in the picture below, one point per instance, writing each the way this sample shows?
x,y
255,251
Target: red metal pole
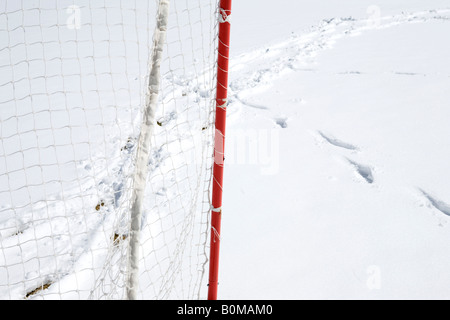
x,y
219,148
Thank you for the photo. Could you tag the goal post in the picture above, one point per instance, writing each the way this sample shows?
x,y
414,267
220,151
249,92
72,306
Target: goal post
x,y
219,149
107,147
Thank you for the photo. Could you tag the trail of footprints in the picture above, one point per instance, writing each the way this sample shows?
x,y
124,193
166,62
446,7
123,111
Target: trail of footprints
x,y
293,53
367,173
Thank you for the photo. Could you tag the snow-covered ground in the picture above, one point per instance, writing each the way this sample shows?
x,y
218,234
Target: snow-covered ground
x,y
338,143
346,190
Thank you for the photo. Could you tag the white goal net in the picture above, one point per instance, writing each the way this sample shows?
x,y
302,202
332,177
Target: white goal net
x,y
74,79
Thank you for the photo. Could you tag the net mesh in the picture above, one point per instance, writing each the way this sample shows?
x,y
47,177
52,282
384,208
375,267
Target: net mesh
x,y
73,79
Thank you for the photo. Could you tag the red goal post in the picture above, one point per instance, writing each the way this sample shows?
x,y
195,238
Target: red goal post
x,y
219,149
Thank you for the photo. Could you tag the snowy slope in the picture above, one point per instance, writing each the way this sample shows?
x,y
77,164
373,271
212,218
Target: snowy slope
x,y
345,193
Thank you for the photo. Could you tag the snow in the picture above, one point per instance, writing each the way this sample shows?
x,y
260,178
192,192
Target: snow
x,y
358,205
336,180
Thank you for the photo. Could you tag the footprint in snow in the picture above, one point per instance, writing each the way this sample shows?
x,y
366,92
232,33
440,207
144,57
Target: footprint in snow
x,y
364,171
338,143
282,122
436,203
